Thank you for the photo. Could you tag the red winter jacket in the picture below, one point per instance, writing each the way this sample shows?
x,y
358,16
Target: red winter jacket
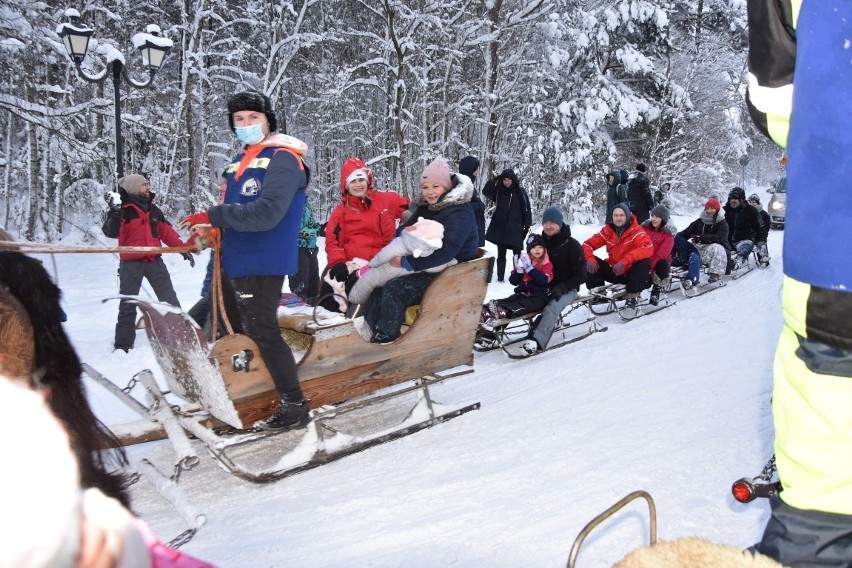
x,y
360,227
141,228
632,246
663,240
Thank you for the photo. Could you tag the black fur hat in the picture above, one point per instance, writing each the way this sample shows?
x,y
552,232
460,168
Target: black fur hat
x,y
641,167
252,100
737,193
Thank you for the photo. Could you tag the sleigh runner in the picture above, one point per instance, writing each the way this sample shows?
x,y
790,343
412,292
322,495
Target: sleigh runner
x,y
233,389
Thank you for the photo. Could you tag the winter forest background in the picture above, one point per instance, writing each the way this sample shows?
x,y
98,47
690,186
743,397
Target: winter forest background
x,y
563,91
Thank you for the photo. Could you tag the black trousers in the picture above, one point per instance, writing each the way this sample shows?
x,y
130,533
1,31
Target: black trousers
x,y
636,279
501,259
306,282
130,275
257,303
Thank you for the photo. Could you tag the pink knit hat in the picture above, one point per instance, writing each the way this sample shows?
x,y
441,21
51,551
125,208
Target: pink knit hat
x,y
438,172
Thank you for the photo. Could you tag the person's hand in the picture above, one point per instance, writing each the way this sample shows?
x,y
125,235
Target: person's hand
x,y
619,268
396,262
591,267
695,239
202,238
339,272
187,256
554,293
113,199
191,221
528,265
519,264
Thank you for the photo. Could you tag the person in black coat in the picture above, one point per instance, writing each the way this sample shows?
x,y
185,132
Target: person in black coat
x,y
639,194
512,216
744,224
763,235
469,166
569,272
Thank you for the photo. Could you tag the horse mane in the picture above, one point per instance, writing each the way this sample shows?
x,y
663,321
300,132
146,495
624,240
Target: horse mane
x,y
56,366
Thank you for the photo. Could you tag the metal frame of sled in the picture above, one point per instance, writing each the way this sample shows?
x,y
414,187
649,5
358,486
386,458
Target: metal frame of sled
x,y
509,332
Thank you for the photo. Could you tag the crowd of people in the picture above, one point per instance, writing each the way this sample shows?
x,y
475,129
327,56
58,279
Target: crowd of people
x,y
383,249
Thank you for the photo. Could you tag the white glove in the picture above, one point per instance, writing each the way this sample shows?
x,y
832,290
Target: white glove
x,y
525,259
519,264
113,199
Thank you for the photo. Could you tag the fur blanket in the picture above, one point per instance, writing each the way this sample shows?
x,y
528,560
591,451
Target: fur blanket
x,y
695,552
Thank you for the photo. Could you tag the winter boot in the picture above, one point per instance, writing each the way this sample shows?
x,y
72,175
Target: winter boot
x,y
713,277
655,296
531,347
289,415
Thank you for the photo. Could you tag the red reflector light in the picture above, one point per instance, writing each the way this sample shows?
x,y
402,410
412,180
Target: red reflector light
x,y
742,491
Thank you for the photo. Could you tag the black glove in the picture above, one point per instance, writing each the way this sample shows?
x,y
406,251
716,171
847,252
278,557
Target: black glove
x,y
190,258
554,293
695,239
339,272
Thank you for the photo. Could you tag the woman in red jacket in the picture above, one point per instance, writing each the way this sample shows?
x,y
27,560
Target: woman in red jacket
x,y
661,233
628,248
364,222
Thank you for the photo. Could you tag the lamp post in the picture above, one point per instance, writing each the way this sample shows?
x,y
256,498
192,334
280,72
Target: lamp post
x,y
153,48
744,160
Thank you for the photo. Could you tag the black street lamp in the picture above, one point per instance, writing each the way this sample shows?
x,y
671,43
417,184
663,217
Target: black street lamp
x,y
744,160
153,48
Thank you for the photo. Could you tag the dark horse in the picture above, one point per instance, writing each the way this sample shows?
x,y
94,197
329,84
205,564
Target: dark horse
x,y
53,364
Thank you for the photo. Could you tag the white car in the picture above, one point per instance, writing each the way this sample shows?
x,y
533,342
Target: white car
x,y
777,207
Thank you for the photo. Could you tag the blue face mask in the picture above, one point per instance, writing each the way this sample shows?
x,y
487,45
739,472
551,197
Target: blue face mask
x,y
249,134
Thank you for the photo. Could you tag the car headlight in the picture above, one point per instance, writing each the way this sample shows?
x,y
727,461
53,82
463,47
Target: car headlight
x,y
778,205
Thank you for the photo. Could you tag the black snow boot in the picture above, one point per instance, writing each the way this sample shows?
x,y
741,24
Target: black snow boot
x,y
655,296
289,415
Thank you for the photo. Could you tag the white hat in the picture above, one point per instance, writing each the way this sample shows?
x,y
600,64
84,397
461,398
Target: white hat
x,y
360,173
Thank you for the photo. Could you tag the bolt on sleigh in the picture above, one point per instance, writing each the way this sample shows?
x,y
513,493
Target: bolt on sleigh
x,y
355,388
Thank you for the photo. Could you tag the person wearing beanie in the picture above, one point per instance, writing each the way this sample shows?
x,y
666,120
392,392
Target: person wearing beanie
x,y
761,237
512,216
135,221
552,215
469,166
744,226
639,193
259,216
628,252
358,228
616,192
532,273
449,205
437,173
709,235
662,234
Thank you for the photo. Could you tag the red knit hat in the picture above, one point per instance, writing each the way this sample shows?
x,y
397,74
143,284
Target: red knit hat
x,y
350,169
713,203
438,172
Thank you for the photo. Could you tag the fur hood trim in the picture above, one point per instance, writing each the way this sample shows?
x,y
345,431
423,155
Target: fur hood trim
x,y
461,193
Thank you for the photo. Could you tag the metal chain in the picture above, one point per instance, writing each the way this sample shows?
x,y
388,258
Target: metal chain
x,y
768,470
132,478
182,538
130,384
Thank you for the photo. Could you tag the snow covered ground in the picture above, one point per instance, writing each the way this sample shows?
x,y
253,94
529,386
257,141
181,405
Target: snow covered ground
x,y
675,403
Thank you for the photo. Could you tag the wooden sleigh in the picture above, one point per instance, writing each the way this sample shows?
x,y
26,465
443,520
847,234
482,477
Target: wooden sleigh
x,y
234,390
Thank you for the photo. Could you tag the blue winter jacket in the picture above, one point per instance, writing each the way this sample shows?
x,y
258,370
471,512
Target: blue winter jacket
x,y
261,214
